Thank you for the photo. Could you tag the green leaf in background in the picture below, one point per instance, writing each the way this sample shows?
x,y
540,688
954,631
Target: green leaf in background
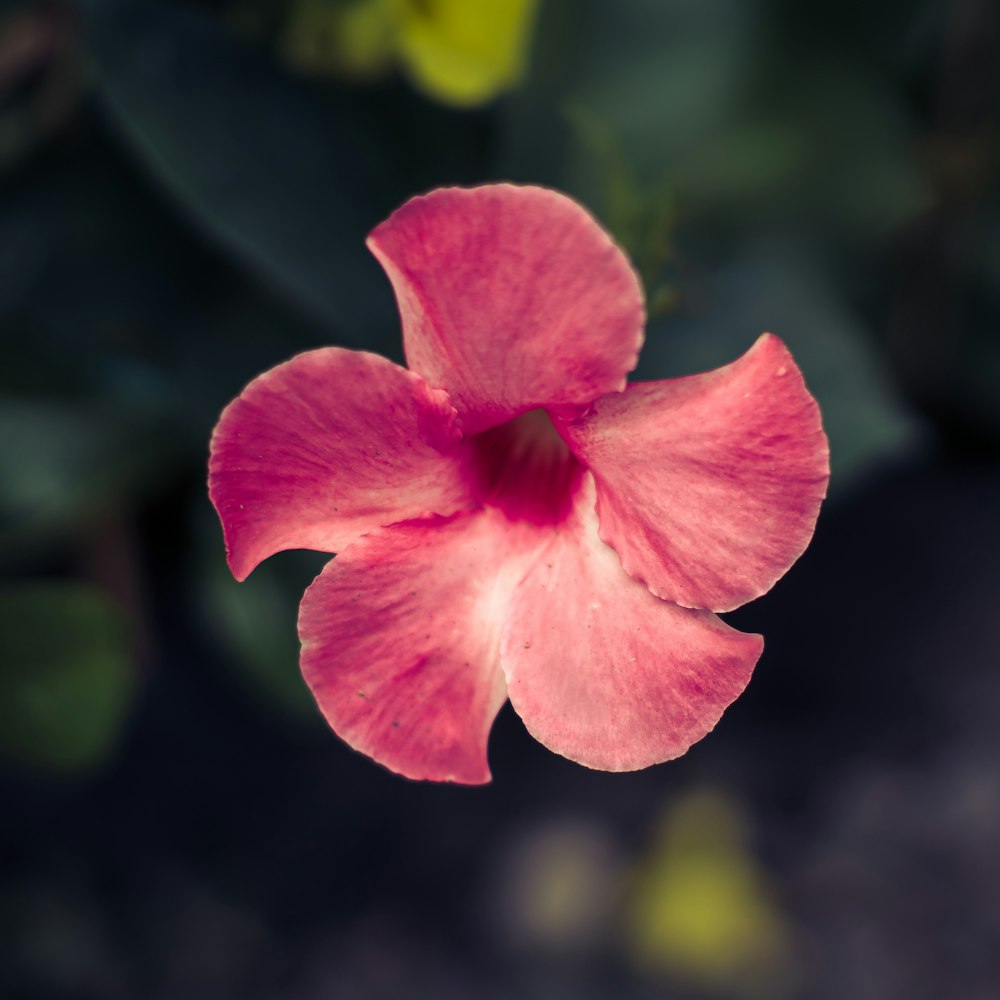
x,y
355,40
860,176
776,288
66,677
255,621
62,463
663,75
288,176
814,163
680,97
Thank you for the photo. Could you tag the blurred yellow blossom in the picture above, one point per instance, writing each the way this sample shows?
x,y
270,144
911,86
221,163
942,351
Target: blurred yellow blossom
x,y
701,910
466,53
457,52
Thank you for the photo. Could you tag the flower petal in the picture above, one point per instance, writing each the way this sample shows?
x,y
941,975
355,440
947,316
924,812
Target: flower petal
x,y
708,487
603,672
326,446
400,641
511,298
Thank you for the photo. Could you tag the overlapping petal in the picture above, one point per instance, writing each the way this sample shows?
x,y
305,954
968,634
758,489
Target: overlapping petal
x,y
709,486
328,445
605,673
511,298
400,641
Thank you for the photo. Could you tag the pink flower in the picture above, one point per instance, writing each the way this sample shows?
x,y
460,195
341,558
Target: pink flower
x,y
512,520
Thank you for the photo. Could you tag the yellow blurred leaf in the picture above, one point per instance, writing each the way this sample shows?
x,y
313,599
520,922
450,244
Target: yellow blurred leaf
x,y
456,51
465,53
701,909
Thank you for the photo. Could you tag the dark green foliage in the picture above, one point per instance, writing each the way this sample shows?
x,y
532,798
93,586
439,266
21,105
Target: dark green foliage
x,y
66,677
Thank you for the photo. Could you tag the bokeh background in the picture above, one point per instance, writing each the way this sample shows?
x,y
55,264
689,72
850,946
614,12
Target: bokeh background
x,y
185,191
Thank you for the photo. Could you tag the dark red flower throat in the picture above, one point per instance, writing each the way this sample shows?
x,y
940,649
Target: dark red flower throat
x,y
525,469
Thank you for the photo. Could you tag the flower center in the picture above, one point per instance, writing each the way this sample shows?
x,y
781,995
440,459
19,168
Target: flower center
x,y
526,469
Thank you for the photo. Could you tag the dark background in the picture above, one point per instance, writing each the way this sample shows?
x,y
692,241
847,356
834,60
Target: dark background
x,y
185,193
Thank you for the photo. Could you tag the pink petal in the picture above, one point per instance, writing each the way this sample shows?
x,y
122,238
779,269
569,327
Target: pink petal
x,y
603,672
400,641
708,487
326,446
511,298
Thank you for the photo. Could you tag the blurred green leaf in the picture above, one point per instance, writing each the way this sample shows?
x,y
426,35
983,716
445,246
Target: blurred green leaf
x,y
92,307
288,176
740,169
256,622
623,200
663,75
861,175
702,103
63,463
355,39
777,288
66,678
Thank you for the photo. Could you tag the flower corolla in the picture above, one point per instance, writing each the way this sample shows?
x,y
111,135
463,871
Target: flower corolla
x,y
510,518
